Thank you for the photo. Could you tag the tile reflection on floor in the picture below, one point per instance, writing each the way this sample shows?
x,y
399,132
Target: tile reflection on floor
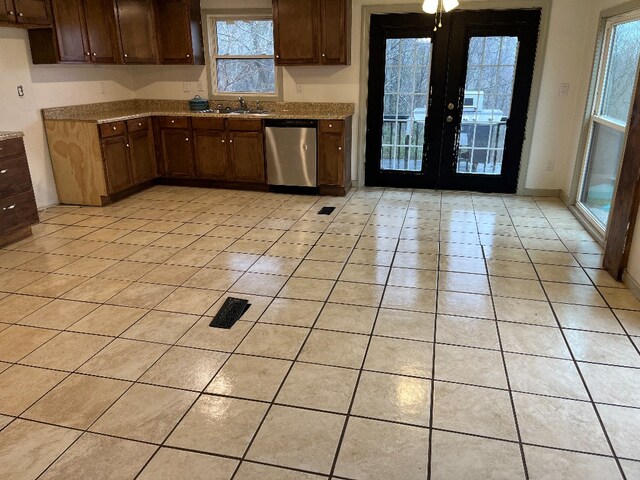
x,y
408,335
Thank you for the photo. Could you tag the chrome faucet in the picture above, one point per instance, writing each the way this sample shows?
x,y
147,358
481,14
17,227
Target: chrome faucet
x,y
243,104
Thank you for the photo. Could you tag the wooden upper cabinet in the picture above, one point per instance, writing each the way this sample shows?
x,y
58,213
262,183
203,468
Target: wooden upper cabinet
x,y
101,31
312,32
296,32
32,12
7,13
137,31
179,32
335,32
70,31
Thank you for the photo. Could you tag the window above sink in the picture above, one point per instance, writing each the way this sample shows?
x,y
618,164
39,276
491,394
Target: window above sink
x,y
241,56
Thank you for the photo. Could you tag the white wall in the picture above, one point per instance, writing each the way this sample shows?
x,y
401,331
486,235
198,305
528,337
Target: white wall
x,y
48,86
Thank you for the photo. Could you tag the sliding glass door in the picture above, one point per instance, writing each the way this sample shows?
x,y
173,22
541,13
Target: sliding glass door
x,y
609,117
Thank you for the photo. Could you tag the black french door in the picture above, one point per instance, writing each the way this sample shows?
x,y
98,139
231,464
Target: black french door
x,y
447,108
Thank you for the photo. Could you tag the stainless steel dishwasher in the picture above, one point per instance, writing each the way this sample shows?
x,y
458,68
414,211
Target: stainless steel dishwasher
x,y
292,152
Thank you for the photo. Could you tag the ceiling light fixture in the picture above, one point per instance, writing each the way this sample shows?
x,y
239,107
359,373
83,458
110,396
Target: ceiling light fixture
x,y
437,8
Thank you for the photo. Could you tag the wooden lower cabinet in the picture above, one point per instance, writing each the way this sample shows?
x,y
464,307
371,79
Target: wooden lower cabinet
x,y
247,156
18,209
210,147
143,157
334,156
117,164
177,153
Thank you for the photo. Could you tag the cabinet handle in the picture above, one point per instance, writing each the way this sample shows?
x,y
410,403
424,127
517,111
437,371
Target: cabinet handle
x,y
115,128
186,139
125,55
222,141
10,207
330,125
277,56
230,141
11,14
3,171
20,15
173,121
139,124
127,145
88,53
94,54
323,55
188,56
339,149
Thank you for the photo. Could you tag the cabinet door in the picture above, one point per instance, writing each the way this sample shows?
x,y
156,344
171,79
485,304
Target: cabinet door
x,y
211,154
101,31
143,158
7,14
33,12
174,31
117,165
176,152
70,31
335,32
330,159
247,156
137,31
296,32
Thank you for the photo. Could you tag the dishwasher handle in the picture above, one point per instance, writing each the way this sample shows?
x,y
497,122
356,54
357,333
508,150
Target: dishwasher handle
x,y
291,123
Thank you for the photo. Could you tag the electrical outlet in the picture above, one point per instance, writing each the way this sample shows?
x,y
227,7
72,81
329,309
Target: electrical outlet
x,y
201,86
20,91
103,88
186,87
564,89
550,165
300,88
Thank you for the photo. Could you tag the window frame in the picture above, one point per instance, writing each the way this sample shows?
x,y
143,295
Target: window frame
x,y
212,55
593,117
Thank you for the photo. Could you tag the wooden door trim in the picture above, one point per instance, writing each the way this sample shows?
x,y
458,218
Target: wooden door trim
x,y
626,202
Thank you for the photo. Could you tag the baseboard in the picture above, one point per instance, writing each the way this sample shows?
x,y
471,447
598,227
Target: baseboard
x,y
632,284
565,198
540,192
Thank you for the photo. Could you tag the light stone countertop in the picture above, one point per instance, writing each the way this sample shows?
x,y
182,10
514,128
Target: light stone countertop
x,y
10,135
133,109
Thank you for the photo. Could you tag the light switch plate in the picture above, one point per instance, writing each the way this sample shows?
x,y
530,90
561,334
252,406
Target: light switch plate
x,y
300,88
20,91
564,89
186,87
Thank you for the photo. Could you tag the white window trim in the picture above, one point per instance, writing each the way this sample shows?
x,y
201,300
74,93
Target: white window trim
x,y
600,67
212,57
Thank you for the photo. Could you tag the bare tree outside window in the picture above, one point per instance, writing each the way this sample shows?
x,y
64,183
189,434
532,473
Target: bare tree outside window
x,y
242,51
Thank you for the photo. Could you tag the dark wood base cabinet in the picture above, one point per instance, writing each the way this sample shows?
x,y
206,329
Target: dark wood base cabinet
x,y
97,164
18,209
334,156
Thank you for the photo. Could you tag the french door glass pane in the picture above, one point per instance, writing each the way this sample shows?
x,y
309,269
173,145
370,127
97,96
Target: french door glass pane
x,y
602,170
491,67
621,71
406,87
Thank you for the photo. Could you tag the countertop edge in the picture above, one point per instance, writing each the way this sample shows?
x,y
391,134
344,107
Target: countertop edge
x,y
10,135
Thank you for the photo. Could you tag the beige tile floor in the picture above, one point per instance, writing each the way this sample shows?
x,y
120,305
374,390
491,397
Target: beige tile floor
x,y
409,335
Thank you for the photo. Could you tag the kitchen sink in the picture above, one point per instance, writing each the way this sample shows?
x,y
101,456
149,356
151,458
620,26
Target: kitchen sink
x,y
249,112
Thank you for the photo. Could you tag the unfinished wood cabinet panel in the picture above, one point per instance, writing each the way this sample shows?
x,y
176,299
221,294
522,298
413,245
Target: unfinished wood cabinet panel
x,y
76,158
137,31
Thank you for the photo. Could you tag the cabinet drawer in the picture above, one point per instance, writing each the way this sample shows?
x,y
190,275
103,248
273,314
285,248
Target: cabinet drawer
x,y
207,123
137,125
11,148
112,129
18,211
173,122
245,125
331,126
14,176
